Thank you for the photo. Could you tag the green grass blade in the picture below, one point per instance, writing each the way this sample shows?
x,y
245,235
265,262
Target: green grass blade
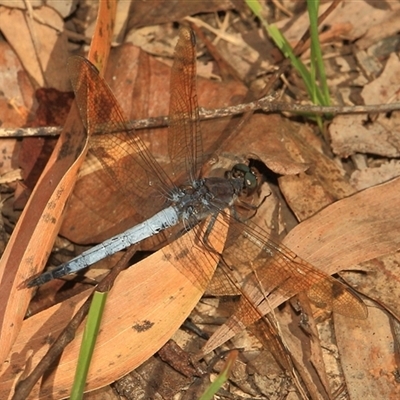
x,y
88,344
319,94
222,377
256,8
316,53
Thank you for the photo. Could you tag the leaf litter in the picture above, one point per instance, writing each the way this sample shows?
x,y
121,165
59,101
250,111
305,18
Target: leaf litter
x,y
361,152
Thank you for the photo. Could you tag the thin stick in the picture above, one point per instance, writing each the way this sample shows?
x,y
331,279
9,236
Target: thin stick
x,y
266,104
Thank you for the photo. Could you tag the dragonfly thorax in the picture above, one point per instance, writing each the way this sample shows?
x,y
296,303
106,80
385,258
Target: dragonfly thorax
x,y
206,196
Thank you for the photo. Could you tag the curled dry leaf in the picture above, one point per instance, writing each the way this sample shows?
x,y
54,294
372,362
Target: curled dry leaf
x,y
34,234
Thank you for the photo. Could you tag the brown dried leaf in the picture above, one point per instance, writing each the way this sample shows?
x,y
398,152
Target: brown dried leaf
x,y
40,46
34,234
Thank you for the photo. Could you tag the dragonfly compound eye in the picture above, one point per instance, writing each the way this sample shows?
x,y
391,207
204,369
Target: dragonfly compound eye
x,y
250,180
244,172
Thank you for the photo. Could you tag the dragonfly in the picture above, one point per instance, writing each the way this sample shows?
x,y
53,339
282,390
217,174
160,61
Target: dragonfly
x,y
171,205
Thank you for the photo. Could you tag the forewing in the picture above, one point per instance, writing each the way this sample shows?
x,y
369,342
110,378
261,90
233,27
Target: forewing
x,y
184,137
122,153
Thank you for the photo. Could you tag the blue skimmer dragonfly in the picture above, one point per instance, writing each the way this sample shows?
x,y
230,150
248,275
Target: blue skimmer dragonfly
x,y
165,201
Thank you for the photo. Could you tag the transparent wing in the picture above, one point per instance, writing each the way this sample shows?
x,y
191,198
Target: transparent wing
x,y
184,137
259,269
274,268
122,153
272,271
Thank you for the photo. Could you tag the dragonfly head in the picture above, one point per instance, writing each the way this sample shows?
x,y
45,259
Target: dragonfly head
x,y
246,175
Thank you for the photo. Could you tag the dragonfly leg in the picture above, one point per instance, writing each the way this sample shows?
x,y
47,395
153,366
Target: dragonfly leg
x,y
247,206
207,233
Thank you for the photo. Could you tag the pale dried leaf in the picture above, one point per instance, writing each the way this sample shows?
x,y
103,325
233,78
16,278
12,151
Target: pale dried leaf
x,y
41,49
